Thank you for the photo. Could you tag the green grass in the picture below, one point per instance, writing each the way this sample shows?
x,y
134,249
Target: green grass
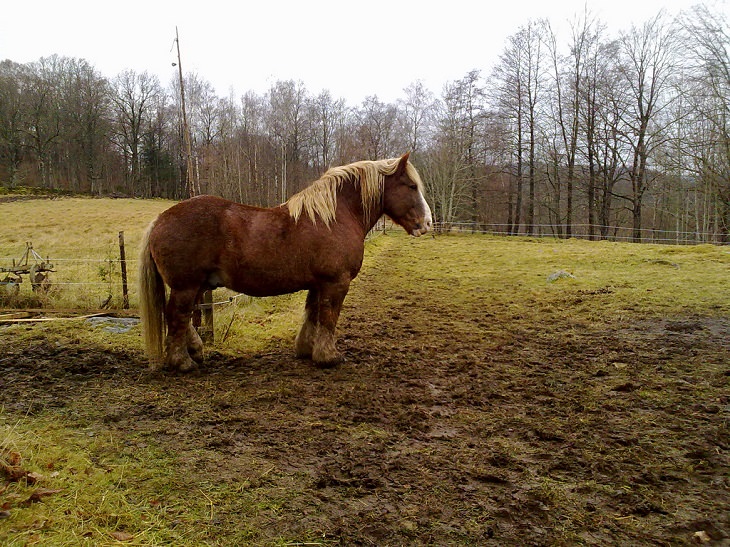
x,y
109,483
98,487
105,490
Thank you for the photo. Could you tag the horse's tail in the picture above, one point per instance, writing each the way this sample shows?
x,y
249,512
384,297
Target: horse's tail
x,y
151,301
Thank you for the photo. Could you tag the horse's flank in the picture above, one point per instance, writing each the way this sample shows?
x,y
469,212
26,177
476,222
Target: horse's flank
x,y
320,198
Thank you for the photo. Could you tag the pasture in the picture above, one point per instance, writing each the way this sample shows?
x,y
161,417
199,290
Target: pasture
x,y
480,403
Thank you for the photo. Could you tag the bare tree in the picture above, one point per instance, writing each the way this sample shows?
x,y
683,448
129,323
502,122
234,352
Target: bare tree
x,y
604,109
465,109
707,142
446,176
204,118
519,79
43,113
135,96
256,164
507,95
85,99
376,128
12,118
417,113
286,124
571,90
534,55
646,67
323,118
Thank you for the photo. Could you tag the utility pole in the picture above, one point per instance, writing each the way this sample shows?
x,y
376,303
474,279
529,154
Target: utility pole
x,y
193,189
206,310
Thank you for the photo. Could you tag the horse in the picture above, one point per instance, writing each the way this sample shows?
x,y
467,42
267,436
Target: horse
x,y
314,242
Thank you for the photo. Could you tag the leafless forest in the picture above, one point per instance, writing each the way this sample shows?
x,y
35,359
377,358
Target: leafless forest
x,y
581,133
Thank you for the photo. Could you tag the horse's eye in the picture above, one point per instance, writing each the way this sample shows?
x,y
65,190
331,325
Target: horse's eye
x,y
413,186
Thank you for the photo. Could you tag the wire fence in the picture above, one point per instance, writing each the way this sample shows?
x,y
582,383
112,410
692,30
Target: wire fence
x,y
93,283
588,231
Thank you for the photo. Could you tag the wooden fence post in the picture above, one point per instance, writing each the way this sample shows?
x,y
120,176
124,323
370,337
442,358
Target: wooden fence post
x,y
207,332
123,261
203,317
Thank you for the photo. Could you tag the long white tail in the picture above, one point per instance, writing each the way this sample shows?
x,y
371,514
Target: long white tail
x,y
151,302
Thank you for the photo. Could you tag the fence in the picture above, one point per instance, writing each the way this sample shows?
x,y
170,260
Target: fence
x,y
72,288
71,284
588,231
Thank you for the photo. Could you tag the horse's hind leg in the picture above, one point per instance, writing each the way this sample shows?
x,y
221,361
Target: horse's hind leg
x,y
194,342
179,311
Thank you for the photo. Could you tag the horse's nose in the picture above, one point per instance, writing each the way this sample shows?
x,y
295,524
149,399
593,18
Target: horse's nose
x,y
428,221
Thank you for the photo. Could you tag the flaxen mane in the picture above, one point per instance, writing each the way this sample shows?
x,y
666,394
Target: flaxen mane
x,y
320,198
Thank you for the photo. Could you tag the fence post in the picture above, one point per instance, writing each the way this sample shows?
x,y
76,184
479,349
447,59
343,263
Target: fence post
x,y
123,262
203,317
207,332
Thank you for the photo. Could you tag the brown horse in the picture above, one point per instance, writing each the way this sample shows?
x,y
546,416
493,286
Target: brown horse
x,y
314,241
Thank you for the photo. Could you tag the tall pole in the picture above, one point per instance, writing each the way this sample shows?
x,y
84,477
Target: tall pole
x,y
194,189
186,130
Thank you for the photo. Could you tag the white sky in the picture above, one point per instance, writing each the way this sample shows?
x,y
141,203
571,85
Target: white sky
x,y
354,49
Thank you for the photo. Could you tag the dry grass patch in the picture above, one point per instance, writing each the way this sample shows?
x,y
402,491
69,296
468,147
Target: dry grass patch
x,y
80,236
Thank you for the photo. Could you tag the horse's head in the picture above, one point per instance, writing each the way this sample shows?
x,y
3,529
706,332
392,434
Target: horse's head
x,y
403,199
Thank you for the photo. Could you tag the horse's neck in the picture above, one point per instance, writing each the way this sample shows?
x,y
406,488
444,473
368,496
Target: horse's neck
x,y
353,201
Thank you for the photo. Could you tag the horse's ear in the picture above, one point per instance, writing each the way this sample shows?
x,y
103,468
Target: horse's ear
x,y
402,164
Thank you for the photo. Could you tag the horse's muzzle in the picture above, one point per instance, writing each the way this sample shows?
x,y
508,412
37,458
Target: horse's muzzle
x,y
422,227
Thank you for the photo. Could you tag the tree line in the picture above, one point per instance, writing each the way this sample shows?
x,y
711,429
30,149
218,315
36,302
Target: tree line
x,y
580,134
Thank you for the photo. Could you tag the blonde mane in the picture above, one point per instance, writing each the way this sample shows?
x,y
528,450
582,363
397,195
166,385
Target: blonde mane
x,y
319,199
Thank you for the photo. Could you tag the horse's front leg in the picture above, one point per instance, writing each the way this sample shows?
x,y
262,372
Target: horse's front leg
x,y
304,343
324,350
178,312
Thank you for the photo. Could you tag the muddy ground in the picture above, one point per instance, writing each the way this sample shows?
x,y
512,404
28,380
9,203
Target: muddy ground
x,y
432,432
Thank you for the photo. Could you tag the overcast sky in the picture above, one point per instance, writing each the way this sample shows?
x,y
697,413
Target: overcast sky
x,y
353,49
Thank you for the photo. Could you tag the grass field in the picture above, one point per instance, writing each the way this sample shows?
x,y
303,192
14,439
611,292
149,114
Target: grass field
x,y
481,403
80,236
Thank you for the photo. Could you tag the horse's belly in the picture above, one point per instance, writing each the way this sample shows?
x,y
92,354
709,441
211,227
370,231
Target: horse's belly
x,y
267,283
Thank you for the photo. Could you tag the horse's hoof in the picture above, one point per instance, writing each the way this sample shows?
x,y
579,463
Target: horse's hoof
x,y
188,366
183,364
329,363
197,355
303,354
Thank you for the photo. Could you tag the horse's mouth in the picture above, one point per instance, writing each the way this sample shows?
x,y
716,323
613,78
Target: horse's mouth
x,y
421,228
